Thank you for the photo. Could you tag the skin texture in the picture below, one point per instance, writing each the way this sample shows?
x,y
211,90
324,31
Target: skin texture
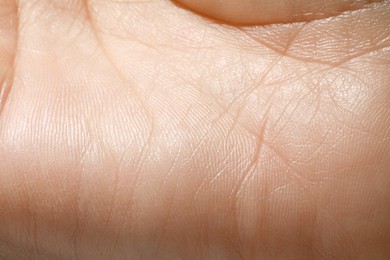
x,y
140,130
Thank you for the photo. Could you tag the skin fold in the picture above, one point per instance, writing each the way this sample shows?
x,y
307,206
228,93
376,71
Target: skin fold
x,y
257,12
142,130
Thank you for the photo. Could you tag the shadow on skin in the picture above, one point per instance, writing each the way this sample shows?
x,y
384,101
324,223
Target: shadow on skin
x,y
263,12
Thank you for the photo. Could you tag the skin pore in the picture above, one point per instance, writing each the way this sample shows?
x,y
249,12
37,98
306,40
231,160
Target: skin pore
x,y
256,12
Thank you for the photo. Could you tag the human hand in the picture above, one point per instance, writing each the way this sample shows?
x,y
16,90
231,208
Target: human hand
x,y
140,130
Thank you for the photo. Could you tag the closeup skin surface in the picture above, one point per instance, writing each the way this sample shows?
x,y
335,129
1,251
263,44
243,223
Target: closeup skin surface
x,y
140,130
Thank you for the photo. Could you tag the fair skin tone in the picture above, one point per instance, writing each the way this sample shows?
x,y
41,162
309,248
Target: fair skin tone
x,y
141,130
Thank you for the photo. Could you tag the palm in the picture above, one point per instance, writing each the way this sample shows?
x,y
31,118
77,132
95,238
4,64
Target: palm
x,y
139,131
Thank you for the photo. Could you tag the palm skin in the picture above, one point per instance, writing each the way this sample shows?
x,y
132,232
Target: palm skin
x,y
138,130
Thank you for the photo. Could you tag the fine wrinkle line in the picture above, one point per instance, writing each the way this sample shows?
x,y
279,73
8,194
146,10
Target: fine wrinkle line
x,y
4,92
